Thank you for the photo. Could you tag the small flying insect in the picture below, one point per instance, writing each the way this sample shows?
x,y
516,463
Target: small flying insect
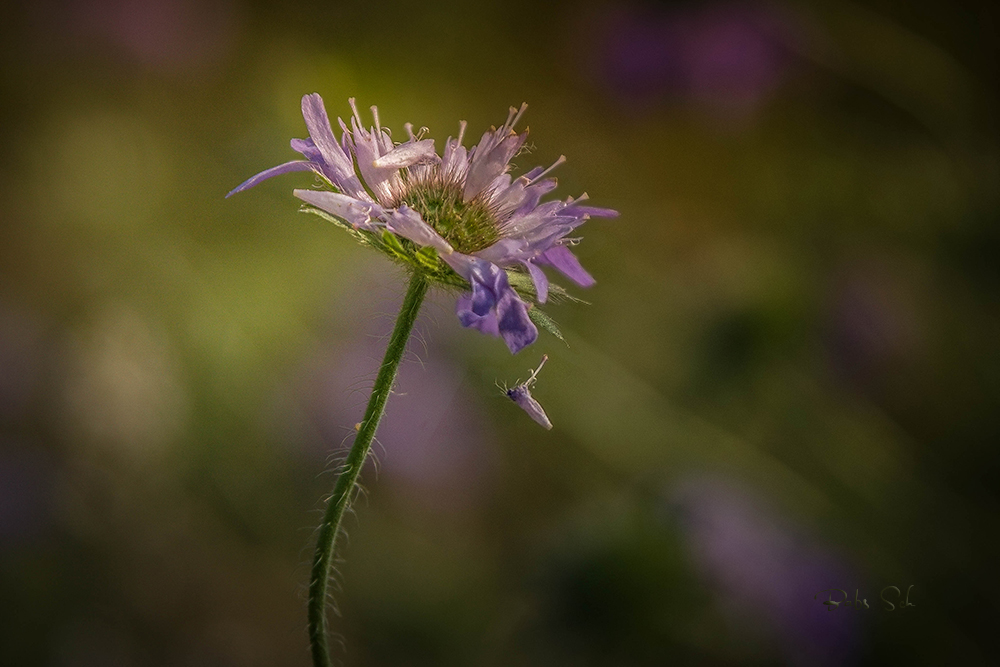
x,y
521,394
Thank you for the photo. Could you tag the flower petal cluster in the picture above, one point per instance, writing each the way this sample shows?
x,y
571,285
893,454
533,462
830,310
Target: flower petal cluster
x,y
459,212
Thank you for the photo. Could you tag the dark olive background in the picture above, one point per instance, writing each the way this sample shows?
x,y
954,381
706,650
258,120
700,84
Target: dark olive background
x,y
786,379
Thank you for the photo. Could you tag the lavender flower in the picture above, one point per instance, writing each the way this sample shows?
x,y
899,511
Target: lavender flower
x,y
521,394
459,217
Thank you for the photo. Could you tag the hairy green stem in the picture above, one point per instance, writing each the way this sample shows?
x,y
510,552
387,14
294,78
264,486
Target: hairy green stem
x,y
344,491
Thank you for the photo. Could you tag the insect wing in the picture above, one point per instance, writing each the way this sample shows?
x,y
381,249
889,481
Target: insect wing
x,y
533,408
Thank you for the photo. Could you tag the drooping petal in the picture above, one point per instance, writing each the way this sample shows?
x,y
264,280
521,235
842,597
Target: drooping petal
x,y
540,279
407,223
516,328
509,320
487,279
493,300
358,213
478,310
468,318
566,263
308,149
484,298
295,165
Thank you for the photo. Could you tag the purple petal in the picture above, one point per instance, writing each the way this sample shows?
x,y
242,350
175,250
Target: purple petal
x,y
407,223
308,149
473,269
296,165
493,307
358,213
524,220
540,280
503,251
486,165
338,167
516,328
534,194
318,124
461,264
591,211
367,150
487,279
540,239
454,158
544,236
566,263
484,299
486,324
509,197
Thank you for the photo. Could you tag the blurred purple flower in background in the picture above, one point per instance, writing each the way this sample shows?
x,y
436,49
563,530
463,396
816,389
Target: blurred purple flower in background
x,y
722,56
764,570
26,472
20,362
27,476
441,454
874,320
165,35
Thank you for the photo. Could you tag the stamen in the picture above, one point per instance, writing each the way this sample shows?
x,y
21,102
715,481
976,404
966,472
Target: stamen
x,y
520,112
354,108
510,117
461,131
562,158
409,131
378,126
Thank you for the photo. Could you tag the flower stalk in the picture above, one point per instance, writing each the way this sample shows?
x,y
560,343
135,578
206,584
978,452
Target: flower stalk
x,y
458,220
344,491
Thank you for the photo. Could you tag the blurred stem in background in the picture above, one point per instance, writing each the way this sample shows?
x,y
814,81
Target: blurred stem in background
x,y
343,493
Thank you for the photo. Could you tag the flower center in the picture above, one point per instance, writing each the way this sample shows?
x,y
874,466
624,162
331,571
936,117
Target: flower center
x,y
467,226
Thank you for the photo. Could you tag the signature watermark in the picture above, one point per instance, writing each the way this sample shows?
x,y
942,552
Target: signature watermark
x,y
891,596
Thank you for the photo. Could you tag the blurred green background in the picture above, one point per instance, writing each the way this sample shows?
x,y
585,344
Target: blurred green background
x,y
786,381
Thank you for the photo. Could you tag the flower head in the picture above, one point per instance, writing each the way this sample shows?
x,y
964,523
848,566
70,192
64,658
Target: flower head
x,y
458,217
